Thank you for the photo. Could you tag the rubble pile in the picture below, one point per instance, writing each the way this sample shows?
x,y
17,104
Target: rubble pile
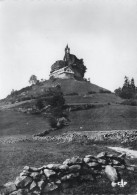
x,y
55,178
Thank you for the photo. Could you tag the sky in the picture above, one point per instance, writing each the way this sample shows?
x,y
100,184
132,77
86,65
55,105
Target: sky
x,y
34,33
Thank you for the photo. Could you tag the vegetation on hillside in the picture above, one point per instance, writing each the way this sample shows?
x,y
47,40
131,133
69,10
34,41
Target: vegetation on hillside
x,y
128,90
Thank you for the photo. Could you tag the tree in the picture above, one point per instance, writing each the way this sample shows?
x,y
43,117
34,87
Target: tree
x,y
118,91
33,80
133,87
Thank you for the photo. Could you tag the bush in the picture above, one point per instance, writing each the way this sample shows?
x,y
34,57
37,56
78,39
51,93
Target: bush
x,y
40,104
130,102
91,92
104,91
52,122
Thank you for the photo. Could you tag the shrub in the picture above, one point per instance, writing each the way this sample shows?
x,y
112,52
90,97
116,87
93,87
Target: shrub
x,y
104,91
130,102
40,104
52,122
91,92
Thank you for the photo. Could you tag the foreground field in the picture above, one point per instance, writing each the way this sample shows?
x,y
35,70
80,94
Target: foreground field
x,y
38,153
15,155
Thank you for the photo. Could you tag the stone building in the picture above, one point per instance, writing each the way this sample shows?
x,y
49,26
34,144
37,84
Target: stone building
x,y
69,67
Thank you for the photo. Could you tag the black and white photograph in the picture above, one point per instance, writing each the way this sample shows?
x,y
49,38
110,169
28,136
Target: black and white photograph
x,y
68,97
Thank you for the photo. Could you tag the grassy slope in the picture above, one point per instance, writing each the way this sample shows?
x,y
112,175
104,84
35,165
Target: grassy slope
x,y
71,86
16,123
94,98
105,118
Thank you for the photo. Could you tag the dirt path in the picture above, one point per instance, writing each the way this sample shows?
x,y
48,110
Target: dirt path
x,y
131,153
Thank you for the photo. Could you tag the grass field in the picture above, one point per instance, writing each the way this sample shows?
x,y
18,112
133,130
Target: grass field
x,y
38,153
109,117
94,98
17,123
14,156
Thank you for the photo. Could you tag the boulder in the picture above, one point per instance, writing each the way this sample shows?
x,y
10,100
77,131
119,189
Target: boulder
x,y
111,173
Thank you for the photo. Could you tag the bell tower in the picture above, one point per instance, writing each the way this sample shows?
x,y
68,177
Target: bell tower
x,y
67,52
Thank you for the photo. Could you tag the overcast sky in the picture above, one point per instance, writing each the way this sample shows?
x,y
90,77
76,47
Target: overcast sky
x,y
34,33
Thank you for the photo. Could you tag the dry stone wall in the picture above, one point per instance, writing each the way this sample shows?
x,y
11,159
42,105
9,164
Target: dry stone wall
x,y
55,178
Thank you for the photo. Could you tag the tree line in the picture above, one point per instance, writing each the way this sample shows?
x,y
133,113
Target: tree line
x,y
128,90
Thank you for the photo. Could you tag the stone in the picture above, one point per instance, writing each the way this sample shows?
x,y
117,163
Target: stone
x,y
43,178
63,167
33,185
130,168
74,168
73,160
111,173
102,155
50,187
89,156
93,164
48,173
102,161
115,162
23,181
86,160
41,184
20,192
35,175
35,192
54,167
69,176
34,169
58,182
10,187
27,168
24,173
123,155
